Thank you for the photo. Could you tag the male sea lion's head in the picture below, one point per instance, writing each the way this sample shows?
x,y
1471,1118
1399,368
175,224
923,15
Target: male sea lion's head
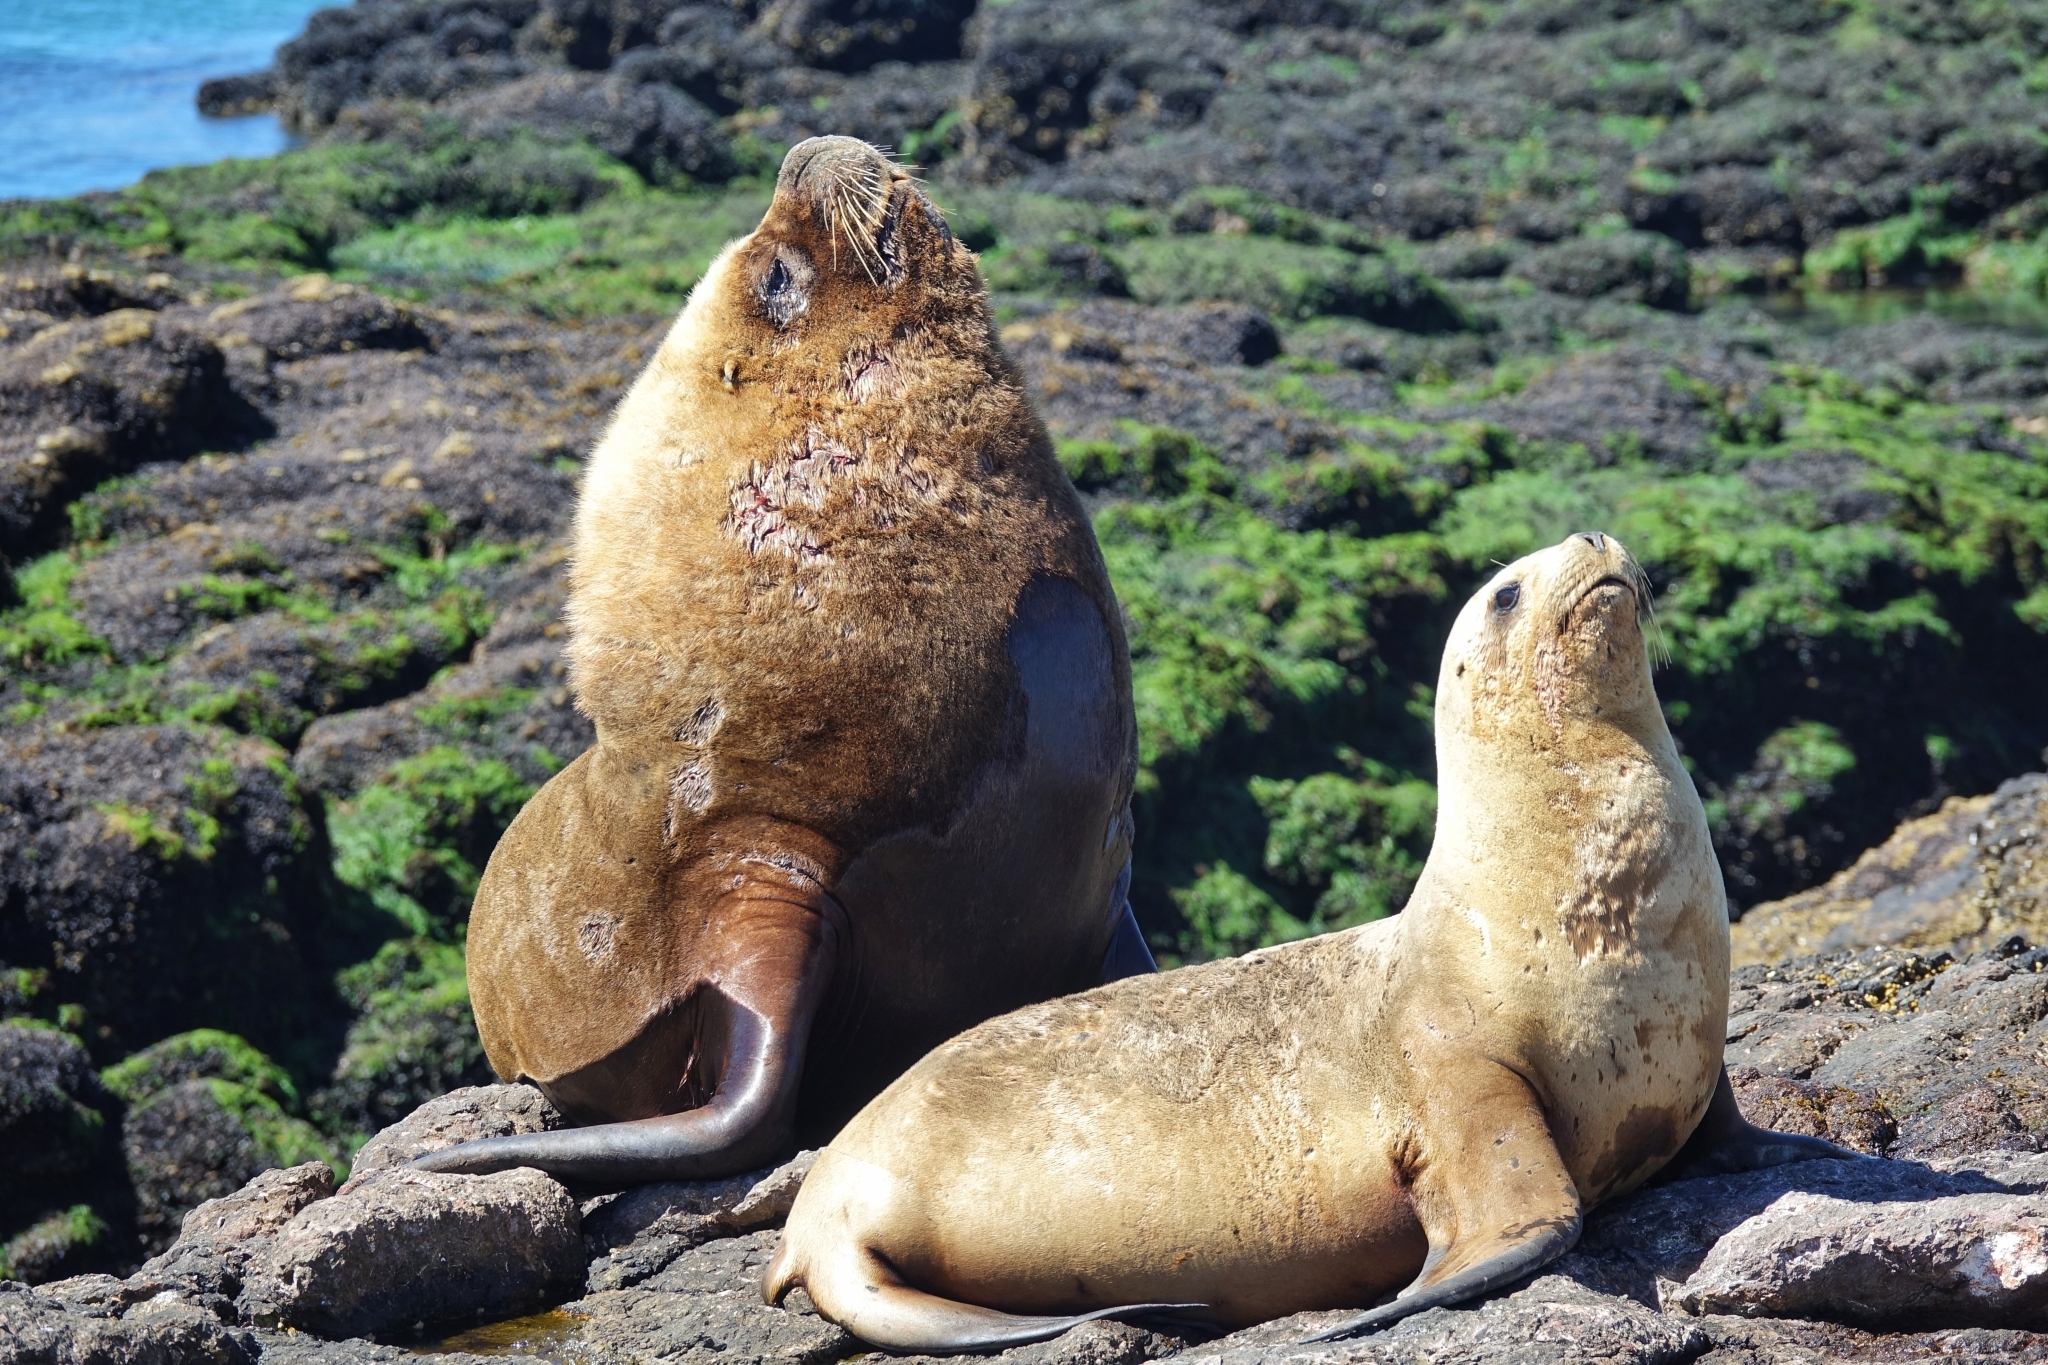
x,y
852,270
1552,644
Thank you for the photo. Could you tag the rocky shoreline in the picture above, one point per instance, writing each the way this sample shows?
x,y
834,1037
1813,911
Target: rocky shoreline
x,y
1327,305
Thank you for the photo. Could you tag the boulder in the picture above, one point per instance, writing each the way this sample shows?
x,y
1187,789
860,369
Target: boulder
x,y
1966,1260
84,400
409,1247
475,1111
1963,878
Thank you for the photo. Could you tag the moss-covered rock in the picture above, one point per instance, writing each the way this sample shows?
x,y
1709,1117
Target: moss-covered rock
x,y
413,1038
60,1184
201,1139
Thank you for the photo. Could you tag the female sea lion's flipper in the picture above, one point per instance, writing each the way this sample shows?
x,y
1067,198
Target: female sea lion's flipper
x,y
1725,1143
740,1036
862,1293
1494,1198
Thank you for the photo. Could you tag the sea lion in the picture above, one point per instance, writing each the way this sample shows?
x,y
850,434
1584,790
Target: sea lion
x,y
1431,1100
865,741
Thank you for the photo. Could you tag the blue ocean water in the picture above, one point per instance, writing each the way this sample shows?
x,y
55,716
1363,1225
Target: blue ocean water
x,y
93,93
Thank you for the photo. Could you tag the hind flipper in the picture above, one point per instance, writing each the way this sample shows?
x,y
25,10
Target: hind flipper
x,y
766,974
1493,1197
861,1292
1726,1143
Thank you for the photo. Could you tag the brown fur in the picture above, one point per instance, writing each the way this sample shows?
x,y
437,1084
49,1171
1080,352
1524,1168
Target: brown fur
x,y
799,552
1296,1129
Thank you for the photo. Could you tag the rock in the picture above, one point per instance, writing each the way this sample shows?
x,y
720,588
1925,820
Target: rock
x,y
1102,1342
659,131
201,1141
476,1111
1553,1320
707,1300
1960,879
260,1208
312,316
84,400
199,1054
1640,267
1977,1119
1646,1245
635,1236
1967,1260
114,839
417,1246
60,1184
38,1329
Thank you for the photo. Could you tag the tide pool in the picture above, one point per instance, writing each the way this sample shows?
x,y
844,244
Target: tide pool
x,y
94,93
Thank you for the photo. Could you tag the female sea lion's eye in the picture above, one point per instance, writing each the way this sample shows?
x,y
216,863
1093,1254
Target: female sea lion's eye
x,y
1505,599
778,278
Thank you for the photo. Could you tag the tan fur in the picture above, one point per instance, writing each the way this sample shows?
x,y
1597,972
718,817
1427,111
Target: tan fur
x,y
1539,1030
798,551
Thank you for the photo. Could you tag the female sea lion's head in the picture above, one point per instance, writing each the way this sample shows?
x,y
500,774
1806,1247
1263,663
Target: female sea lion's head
x,y
850,264
1553,641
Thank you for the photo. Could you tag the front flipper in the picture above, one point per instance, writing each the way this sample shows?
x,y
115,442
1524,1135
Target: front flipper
x,y
1725,1143
1493,1196
761,984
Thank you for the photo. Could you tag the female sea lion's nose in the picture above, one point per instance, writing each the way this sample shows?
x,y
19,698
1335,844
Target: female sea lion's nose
x,y
1596,540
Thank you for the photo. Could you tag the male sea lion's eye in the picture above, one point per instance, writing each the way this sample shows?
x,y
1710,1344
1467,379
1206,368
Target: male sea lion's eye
x,y
1505,599
778,278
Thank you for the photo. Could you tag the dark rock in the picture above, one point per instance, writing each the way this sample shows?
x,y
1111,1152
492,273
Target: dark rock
x,y
51,1104
1553,1320
201,1141
233,96
1102,1342
1977,1119
40,1329
640,1233
107,836
708,1300
1223,334
464,1115
850,35
659,131
315,316
416,1246
84,400
1639,267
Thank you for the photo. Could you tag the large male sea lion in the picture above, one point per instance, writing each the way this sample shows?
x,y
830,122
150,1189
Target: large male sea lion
x,y
865,743
1431,1100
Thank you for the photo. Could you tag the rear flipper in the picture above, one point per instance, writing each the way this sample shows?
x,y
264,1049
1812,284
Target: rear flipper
x,y
862,1293
1725,1143
771,968
1494,1199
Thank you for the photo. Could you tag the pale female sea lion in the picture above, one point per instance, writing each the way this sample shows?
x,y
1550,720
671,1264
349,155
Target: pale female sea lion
x,y
1433,1100
865,743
